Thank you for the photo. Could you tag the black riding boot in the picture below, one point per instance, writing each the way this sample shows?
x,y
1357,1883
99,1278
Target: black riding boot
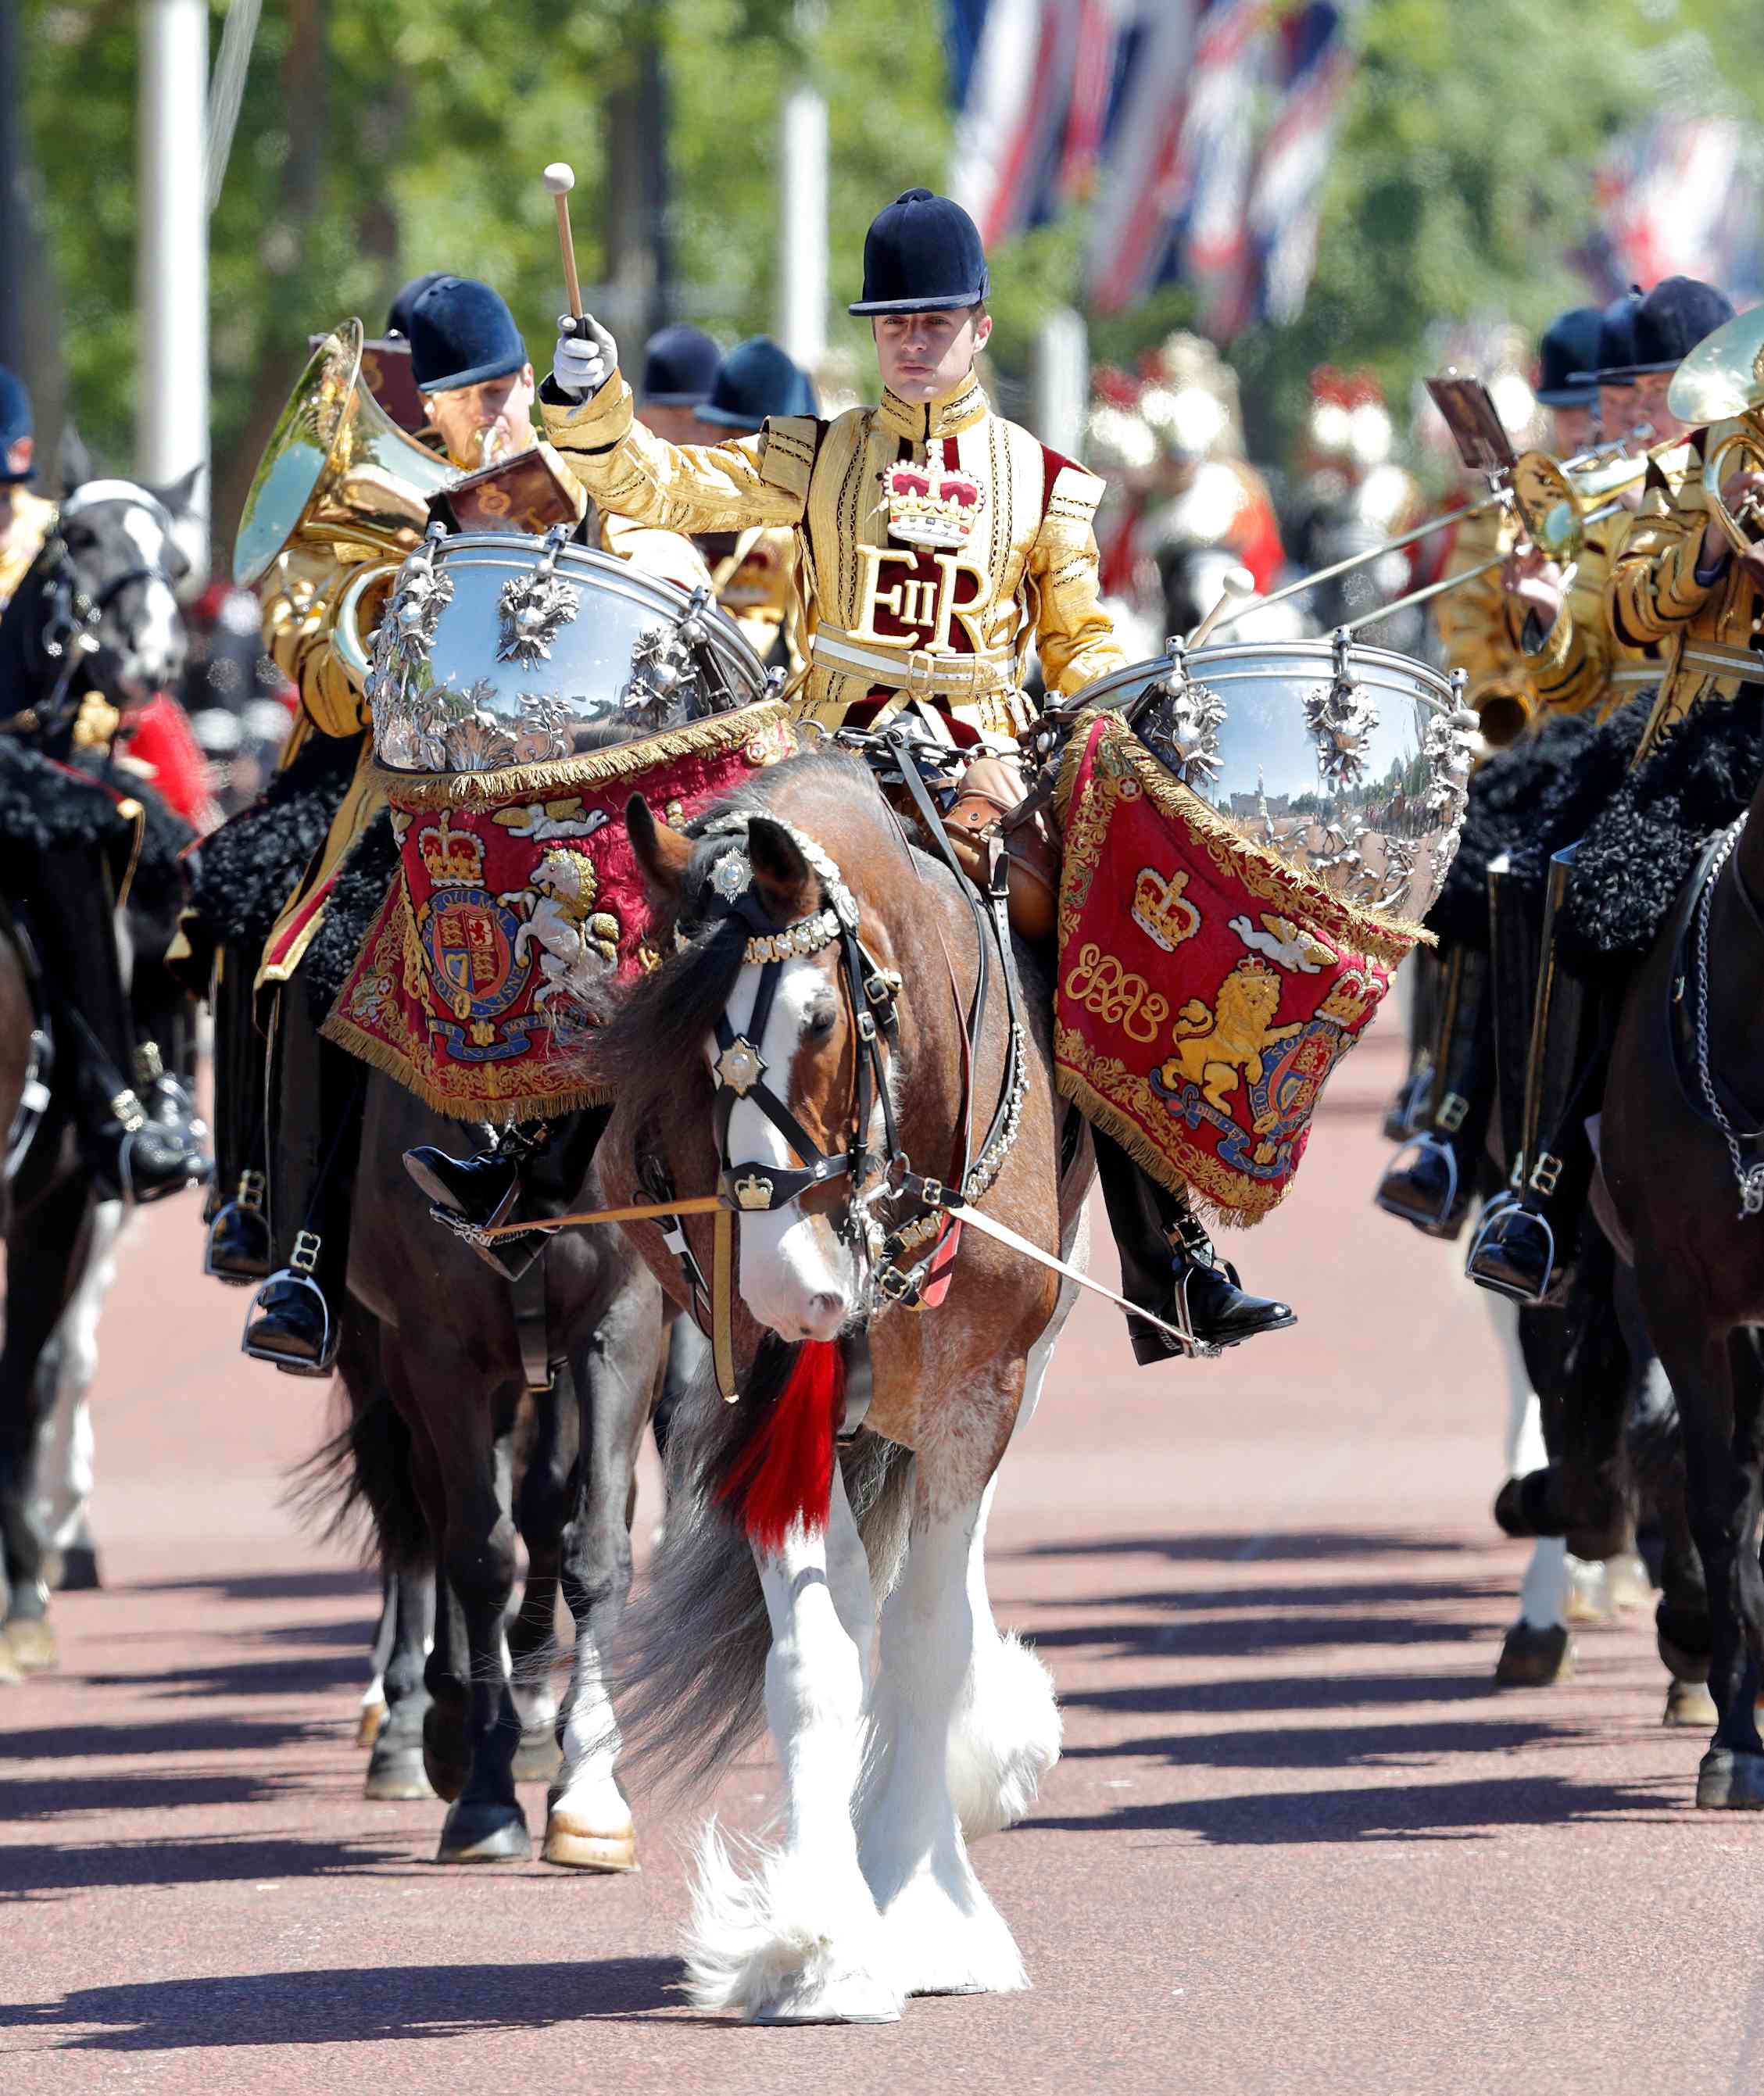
x,y
317,1139
1515,940
1431,1179
133,1155
238,1232
1527,1247
532,1170
1406,1116
1169,1267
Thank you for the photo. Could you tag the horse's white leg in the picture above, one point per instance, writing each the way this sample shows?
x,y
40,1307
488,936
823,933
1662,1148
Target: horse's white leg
x,y
798,1938
1005,1736
65,1458
588,1824
944,1935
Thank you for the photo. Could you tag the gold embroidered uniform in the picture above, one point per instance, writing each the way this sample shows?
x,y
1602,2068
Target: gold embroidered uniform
x,y
1701,631
886,618
33,520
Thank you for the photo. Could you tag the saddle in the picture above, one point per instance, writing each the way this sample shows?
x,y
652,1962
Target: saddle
x,y
989,795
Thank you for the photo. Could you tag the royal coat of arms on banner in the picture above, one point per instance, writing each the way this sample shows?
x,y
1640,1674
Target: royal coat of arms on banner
x,y
516,905
1206,989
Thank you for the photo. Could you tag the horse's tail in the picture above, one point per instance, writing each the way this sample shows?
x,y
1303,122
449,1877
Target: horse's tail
x,y
362,1476
689,1666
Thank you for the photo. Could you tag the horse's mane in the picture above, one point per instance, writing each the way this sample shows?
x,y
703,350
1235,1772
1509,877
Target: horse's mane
x,y
656,1033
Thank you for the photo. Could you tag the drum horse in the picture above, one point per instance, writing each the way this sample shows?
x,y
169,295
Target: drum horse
x,y
844,1040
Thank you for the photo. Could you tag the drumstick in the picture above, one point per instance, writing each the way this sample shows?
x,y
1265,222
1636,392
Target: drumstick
x,y
1236,582
561,179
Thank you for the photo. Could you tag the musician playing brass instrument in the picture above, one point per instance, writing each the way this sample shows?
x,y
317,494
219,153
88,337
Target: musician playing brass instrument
x,y
477,386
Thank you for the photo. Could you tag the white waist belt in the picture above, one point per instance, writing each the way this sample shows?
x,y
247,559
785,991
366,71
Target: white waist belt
x,y
912,669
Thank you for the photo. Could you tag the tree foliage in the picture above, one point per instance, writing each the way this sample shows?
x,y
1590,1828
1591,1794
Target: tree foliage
x,y
376,140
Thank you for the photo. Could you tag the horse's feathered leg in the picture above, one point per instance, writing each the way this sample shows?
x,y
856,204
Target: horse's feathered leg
x,y
587,1823
944,1936
797,1939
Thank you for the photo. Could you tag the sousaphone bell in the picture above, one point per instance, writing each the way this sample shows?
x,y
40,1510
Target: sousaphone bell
x,y
1722,381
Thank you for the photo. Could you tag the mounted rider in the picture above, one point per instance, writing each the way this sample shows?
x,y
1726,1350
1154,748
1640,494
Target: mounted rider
x,y
477,386
70,843
936,542
1677,612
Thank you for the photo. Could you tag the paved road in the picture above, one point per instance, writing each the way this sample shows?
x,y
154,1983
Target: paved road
x,y
1296,1841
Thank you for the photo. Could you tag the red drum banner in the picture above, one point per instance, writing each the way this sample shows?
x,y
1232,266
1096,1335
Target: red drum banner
x,y
1206,987
518,892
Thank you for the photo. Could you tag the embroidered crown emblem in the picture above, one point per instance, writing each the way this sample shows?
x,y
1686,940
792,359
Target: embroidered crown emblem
x,y
455,859
1351,1001
933,504
1162,911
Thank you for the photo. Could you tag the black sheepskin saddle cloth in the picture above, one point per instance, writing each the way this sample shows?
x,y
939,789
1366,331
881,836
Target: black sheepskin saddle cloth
x,y
1638,850
251,865
1528,801
47,806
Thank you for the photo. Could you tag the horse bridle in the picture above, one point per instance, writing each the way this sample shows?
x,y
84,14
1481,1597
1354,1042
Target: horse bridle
x,y
67,634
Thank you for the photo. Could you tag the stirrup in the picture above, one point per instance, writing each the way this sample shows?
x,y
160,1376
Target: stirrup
x,y
1439,1225
1516,1214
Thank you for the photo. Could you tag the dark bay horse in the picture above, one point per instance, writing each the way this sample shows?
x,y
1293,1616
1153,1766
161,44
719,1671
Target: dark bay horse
x,y
764,1598
113,547
1699,1263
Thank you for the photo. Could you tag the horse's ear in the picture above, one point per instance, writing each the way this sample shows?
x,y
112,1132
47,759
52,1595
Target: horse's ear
x,y
662,853
783,877
181,494
74,460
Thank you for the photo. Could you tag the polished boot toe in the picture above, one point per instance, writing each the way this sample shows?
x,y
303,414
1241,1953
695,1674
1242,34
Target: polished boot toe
x,y
1219,1312
146,1162
238,1247
480,1190
1423,1186
291,1325
1515,1255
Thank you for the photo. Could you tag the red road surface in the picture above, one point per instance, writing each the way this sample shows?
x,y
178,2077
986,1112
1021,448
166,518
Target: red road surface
x,y
1296,1843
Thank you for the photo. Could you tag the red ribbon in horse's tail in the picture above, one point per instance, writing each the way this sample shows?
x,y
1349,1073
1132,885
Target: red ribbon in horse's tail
x,y
781,1477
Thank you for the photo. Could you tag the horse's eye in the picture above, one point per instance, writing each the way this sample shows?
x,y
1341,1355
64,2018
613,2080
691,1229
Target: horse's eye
x,y
818,1026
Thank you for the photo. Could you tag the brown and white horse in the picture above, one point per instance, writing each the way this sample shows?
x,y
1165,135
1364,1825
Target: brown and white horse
x,y
898,1741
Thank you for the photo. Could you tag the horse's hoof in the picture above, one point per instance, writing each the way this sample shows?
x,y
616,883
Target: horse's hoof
x,y
1689,1704
1727,1782
396,1776
31,1643
852,1998
537,1758
1626,1583
575,1846
1533,1658
77,1572
369,1723
10,1669
484,1833
1589,1593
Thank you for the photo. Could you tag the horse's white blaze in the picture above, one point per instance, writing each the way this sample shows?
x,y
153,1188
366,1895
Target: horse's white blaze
x,y
796,1937
796,1275
156,645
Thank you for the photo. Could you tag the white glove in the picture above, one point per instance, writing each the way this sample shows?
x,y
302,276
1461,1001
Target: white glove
x,y
585,358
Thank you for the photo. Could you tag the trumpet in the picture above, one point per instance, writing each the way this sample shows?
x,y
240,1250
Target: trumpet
x,y
1722,381
1604,468
493,444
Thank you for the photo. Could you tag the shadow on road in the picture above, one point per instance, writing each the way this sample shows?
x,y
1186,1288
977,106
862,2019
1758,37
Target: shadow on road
x,y
1475,1810
350,2005
31,1871
1333,1746
135,1790
1234,1549
177,1735
269,1585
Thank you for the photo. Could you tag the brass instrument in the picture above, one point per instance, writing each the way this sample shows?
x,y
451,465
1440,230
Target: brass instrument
x,y
1722,381
492,445
1604,468
337,472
